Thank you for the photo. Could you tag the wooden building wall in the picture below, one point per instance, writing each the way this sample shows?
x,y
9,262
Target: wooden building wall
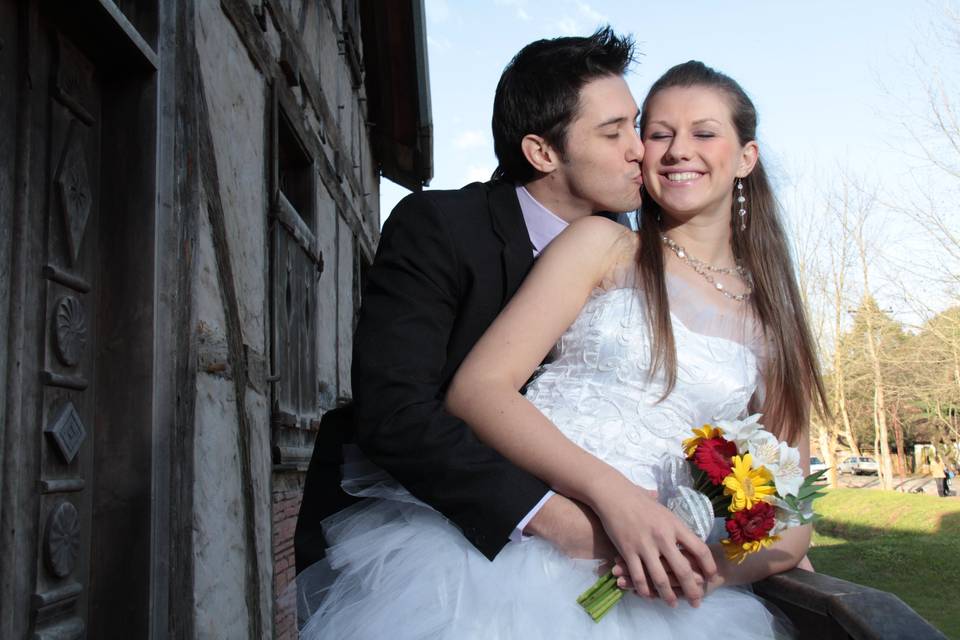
x,y
189,207
299,192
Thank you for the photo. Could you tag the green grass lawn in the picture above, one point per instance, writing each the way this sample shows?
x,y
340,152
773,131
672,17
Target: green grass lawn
x,y
907,544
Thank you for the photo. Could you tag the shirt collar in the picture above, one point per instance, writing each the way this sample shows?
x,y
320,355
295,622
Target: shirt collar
x,y
543,225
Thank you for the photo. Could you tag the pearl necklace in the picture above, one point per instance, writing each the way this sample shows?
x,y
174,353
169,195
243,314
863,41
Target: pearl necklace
x,y
706,270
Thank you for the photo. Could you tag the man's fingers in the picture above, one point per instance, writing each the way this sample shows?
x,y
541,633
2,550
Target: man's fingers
x,y
658,576
694,546
639,577
689,580
619,570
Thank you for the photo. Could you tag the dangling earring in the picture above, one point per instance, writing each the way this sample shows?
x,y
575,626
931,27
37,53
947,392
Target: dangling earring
x,y
742,200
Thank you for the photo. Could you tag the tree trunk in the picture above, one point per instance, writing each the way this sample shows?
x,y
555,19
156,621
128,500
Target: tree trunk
x,y
898,435
827,439
885,467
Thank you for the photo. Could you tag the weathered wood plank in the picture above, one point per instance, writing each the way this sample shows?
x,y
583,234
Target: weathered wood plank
x,y
209,176
180,268
825,606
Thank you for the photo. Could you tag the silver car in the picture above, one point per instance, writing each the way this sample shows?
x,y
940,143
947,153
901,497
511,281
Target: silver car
x,y
816,464
858,465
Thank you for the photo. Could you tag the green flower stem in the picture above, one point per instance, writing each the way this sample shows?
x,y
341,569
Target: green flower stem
x,y
600,598
605,605
599,595
597,586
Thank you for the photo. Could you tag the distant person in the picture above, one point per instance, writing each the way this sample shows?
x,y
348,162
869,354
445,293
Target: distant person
x,y
647,341
939,472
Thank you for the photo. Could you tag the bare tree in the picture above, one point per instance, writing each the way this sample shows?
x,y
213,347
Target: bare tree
x,y
809,235
863,212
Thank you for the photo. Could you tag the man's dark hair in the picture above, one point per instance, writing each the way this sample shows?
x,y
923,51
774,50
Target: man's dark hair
x,y
539,93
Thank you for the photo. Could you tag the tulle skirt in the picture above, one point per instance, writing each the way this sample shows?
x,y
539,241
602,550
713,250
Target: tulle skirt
x,y
397,569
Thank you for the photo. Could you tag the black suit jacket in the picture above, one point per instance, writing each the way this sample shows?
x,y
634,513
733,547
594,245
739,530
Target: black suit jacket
x,y
447,263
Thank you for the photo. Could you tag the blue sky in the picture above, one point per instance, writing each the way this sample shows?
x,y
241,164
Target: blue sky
x,y
832,81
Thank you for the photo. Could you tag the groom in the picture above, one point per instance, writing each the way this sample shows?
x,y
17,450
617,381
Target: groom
x,y
448,261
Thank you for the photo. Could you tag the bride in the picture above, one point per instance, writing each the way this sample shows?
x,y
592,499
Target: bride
x,y
694,318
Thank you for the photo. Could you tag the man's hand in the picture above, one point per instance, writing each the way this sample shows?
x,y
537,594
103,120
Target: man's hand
x,y
573,528
651,540
624,581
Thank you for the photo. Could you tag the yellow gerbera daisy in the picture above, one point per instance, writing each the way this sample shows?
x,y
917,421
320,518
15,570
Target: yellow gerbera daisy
x,y
739,552
747,485
705,432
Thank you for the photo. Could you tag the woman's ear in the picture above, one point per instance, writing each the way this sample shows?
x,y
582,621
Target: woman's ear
x,y
748,159
539,153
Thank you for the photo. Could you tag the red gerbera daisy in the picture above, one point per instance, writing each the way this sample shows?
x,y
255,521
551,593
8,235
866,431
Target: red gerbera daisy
x,y
714,457
751,524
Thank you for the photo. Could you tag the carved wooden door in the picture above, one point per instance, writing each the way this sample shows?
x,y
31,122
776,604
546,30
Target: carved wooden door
x,y
77,564
66,316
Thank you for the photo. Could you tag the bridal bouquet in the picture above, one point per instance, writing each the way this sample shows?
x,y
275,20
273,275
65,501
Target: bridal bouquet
x,y
744,474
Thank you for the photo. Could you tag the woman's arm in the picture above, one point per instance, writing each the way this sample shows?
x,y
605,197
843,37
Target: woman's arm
x,y
485,394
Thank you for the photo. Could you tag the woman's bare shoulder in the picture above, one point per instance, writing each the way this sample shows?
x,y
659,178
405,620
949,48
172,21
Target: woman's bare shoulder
x,y
597,233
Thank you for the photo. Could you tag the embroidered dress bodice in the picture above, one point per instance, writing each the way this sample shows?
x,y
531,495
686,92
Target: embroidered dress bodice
x,y
598,390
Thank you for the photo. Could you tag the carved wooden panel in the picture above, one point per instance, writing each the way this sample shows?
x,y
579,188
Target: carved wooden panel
x,y
85,157
62,540
73,186
69,330
69,277
67,432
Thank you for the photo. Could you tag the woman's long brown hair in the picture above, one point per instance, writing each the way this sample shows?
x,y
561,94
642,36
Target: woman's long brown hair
x,y
791,375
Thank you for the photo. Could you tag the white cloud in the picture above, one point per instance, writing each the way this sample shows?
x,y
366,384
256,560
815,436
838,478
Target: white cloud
x,y
477,173
439,45
592,14
470,139
519,7
567,26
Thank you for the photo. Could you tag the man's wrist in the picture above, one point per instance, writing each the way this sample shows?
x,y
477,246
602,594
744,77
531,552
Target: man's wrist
x,y
519,534
572,527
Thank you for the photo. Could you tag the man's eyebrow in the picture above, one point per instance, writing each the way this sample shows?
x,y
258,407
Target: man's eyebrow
x,y
617,120
700,121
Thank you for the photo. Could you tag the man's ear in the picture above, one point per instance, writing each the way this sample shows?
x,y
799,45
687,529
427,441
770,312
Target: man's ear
x,y
748,159
538,152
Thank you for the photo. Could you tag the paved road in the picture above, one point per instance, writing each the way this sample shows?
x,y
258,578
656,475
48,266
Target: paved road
x,y
918,484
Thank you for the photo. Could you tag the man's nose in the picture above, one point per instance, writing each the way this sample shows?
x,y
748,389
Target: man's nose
x,y
635,150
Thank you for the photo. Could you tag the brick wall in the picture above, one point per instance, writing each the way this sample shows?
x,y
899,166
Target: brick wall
x,y
287,493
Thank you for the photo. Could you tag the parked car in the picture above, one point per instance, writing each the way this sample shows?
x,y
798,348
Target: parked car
x,y
816,464
857,465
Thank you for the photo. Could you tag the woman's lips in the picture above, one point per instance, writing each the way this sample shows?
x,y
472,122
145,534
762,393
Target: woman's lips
x,y
681,177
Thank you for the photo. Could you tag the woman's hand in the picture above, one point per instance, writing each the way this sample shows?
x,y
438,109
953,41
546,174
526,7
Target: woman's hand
x,y
625,581
782,556
655,546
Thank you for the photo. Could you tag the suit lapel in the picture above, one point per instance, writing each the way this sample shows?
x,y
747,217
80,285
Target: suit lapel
x,y
508,225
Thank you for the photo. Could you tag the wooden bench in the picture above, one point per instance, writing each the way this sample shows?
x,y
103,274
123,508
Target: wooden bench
x,y
826,608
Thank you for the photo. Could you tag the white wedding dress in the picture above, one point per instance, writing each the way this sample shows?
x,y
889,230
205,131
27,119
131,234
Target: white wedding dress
x,y
396,569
